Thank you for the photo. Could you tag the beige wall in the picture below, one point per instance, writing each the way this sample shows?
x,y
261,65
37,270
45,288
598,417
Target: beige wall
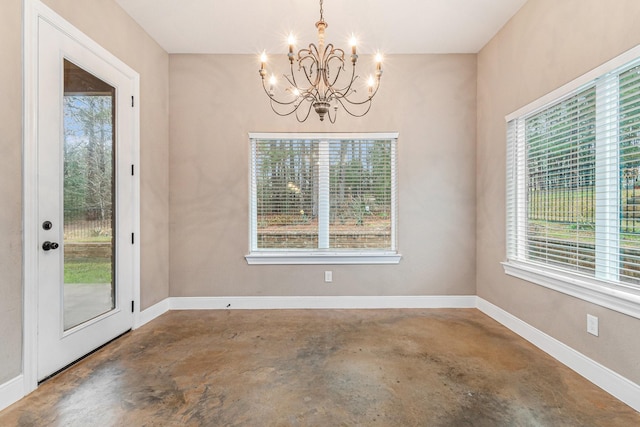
x,y
10,189
216,100
106,23
548,43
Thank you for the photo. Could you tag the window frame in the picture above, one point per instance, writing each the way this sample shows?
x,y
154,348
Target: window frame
x,y
266,256
611,294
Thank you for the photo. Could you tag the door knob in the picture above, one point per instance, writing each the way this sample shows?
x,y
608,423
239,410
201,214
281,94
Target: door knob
x,y
47,246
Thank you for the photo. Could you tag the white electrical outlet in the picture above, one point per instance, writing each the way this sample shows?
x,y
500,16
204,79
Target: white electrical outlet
x,y
328,276
592,324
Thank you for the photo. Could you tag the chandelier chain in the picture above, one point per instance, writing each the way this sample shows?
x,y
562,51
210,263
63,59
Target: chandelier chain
x,y
321,11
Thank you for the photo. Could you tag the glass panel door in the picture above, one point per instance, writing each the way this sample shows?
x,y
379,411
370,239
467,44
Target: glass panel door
x,y
87,205
89,196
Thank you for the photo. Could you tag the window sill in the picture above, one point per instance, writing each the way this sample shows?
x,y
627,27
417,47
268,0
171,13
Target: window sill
x,y
622,299
287,258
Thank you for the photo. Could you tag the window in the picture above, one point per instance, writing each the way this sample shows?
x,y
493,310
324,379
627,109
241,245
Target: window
x,y
573,189
323,199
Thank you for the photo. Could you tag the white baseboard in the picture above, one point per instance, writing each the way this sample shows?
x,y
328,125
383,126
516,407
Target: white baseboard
x,y
11,391
320,302
280,303
150,313
608,380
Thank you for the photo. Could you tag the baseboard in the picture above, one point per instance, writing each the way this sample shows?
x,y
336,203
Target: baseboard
x,y
150,313
302,302
11,391
608,380
320,302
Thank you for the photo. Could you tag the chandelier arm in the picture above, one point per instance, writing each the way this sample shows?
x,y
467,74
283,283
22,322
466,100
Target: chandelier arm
x,y
310,55
331,52
273,98
293,78
312,85
295,108
306,116
368,101
279,113
335,116
333,55
292,81
345,91
303,92
300,67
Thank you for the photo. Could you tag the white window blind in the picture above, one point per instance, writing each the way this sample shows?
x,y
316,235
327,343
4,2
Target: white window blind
x,y
323,194
573,182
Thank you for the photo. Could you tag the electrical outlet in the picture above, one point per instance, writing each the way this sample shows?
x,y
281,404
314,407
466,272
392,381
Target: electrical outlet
x,y
328,276
592,324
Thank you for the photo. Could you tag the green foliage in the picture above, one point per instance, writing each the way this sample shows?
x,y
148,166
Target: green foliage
x,y
88,156
87,271
287,175
561,144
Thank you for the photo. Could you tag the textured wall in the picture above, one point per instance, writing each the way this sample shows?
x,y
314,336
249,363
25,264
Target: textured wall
x,y
216,100
547,44
10,189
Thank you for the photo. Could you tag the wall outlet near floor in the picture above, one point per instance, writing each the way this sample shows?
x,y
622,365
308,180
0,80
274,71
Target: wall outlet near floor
x,y
592,324
328,276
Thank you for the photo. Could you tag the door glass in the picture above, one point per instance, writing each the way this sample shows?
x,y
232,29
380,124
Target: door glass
x,y
89,199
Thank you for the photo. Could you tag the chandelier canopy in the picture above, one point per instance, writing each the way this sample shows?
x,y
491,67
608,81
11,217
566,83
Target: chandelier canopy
x,y
317,82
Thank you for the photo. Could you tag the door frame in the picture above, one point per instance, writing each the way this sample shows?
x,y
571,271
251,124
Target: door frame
x,y
33,10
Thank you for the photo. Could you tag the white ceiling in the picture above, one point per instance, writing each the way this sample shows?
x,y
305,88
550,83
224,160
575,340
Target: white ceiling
x,y
251,26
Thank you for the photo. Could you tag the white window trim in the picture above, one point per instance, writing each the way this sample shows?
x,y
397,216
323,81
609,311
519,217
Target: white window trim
x,y
321,256
311,258
614,296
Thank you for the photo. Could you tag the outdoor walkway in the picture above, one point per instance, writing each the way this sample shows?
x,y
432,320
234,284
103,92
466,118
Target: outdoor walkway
x,y
84,301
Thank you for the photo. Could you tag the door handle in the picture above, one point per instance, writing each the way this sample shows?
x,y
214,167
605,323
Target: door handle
x,y
47,246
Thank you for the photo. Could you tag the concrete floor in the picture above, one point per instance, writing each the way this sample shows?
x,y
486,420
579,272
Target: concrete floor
x,y
320,368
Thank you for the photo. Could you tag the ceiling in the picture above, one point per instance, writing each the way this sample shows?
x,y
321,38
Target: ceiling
x,y
252,26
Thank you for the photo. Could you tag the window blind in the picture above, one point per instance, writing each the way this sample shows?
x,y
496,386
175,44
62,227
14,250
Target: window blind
x,y
320,194
573,181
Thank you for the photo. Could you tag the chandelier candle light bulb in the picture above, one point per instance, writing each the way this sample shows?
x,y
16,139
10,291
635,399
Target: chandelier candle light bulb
x,y
272,83
263,60
371,83
321,80
291,42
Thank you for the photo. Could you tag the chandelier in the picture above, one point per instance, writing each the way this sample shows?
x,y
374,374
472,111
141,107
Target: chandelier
x,y
321,81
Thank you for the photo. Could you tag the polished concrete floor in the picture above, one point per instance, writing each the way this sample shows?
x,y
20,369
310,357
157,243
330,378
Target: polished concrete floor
x,y
320,368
